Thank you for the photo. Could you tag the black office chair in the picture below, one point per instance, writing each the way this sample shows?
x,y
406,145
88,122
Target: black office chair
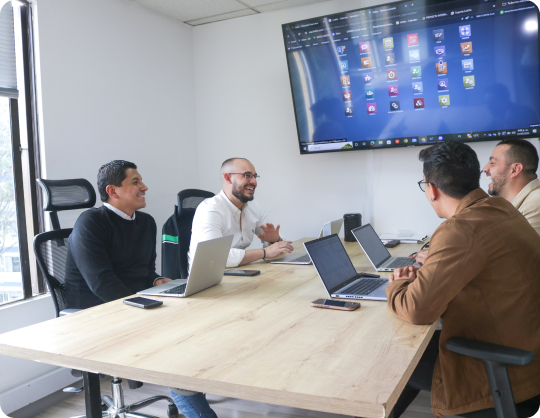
x,y
59,195
496,358
51,251
188,201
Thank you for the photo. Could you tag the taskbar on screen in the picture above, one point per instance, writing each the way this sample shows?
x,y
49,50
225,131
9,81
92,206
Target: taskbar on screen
x,y
346,145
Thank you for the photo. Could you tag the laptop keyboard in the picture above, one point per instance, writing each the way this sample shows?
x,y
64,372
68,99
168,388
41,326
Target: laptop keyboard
x,y
177,290
364,287
401,262
304,259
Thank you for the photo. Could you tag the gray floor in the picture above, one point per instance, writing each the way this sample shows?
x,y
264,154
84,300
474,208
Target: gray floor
x,y
224,407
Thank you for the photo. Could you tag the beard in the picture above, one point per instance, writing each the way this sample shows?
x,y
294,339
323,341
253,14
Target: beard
x,y
497,185
238,192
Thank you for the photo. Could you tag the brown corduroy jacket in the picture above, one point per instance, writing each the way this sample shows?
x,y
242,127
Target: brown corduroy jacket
x,y
482,276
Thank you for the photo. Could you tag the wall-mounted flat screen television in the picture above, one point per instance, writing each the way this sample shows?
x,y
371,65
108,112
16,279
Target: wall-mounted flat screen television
x,y
415,73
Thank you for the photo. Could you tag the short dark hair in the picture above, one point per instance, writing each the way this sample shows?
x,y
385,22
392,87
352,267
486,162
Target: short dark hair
x,y
523,152
112,173
452,167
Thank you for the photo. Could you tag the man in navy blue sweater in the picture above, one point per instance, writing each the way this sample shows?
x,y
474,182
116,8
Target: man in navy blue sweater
x,y
112,254
112,249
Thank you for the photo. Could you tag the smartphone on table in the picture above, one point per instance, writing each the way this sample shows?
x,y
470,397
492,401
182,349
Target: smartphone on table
x,y
241,272
335,304
143,303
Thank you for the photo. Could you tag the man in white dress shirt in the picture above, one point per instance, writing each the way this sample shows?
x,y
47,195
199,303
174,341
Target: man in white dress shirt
x,y
234,212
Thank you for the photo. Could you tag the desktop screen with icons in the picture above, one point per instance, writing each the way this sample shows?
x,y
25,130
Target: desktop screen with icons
x,y
415,73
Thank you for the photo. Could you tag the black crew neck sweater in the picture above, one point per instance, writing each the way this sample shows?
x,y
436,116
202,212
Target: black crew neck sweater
x,y
109,257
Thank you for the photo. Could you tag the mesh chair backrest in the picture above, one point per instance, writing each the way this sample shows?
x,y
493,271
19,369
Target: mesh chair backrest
x,y
51,250
70,194
188,200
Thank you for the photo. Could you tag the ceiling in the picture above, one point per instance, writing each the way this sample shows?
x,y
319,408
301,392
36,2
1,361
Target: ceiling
x,y
200,12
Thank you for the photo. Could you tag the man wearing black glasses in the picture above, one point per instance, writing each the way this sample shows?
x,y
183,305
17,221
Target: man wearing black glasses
x,y
234,212
231,212
481,277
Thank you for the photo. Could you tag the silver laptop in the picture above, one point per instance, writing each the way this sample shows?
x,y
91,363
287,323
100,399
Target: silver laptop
x,y
328,228
377,253
207,270
338,274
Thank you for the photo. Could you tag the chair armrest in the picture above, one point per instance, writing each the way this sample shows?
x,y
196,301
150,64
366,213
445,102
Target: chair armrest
x,y
69,311
489,352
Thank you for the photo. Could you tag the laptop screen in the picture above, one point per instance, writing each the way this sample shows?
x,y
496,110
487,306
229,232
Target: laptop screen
x,y
371,243
331,261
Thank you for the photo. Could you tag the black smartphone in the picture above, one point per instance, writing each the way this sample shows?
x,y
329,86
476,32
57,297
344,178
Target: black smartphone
x,y
144,303
335,304
241,272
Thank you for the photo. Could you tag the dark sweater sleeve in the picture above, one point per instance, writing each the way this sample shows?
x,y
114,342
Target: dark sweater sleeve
x,y
152,267
89,247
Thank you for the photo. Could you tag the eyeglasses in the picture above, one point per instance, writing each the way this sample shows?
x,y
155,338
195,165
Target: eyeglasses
x,y
421,184
248,175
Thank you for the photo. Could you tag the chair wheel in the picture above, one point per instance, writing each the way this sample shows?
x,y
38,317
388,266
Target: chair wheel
x,y
172,411
104,407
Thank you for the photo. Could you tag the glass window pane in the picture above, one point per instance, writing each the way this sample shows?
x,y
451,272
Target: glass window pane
x,y
11,287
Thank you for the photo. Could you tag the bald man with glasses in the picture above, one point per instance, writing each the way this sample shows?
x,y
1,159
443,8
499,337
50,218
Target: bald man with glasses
x,y
234,212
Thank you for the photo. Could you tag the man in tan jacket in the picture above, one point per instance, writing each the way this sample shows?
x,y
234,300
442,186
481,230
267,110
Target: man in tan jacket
x,y
481,276
512,169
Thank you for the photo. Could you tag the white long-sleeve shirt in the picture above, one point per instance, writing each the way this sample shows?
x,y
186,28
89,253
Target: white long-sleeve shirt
x,y
218,217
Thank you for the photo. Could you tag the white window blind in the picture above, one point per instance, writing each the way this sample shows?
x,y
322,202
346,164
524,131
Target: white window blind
x,y
8,71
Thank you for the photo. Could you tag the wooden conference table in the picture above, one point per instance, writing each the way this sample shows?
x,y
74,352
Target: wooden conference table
x,y
254,338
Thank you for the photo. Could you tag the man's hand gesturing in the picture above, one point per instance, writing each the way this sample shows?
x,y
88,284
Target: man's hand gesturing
x,y
278,248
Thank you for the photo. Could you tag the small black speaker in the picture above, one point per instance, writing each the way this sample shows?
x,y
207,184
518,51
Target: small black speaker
x,y
351,221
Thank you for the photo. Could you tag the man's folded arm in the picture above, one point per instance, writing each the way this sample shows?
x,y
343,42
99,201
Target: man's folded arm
x,y
88,247
452,263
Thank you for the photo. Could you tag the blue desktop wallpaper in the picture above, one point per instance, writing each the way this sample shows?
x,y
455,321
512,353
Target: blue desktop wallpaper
x,y
500,90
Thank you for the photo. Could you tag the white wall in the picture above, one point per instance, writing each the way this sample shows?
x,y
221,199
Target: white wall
x,y
117,83
244,108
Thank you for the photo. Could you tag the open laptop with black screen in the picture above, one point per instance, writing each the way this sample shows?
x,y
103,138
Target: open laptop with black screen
x,y
338,274
376,251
